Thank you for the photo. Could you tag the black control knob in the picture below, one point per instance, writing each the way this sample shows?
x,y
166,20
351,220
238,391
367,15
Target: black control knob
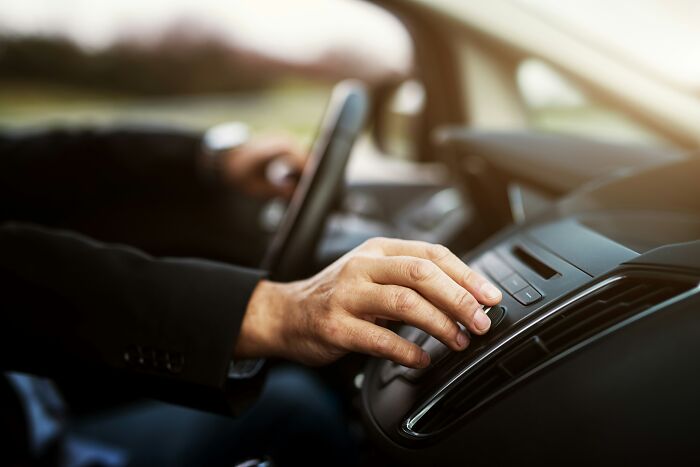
x,y
496,314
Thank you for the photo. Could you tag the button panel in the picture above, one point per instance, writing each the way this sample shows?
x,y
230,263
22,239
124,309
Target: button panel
x,y
528,296
150,358
509,280
496,267
514,283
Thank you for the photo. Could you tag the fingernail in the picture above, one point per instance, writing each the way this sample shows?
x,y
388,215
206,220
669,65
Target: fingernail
x,y
424,360
481,321
489,290
462,340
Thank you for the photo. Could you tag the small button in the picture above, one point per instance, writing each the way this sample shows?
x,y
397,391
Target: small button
x,y
496,314
496,267
514,283
527,296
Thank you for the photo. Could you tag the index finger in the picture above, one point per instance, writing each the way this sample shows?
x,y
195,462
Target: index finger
x,y
480,287
426,278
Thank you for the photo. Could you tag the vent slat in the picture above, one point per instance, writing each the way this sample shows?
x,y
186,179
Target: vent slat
x,y
459,402
524,356
568,333
556,334
621,293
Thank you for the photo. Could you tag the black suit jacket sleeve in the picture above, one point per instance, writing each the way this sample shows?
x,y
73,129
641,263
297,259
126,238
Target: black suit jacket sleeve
x,y
138,186
73,306
54,175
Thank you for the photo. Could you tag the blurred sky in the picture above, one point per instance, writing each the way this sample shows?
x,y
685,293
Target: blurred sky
x,y
293,30
661,35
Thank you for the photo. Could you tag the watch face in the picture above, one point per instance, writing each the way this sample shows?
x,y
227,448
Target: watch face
x,y
226,136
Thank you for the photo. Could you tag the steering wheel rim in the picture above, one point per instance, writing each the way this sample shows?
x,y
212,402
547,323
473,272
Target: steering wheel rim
x,y
320,183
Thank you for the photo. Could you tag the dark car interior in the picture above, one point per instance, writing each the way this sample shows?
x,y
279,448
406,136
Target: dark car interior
x,y
596,248
592,354
593,343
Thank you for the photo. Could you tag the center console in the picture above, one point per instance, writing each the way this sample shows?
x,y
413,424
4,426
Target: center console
x,y
584,295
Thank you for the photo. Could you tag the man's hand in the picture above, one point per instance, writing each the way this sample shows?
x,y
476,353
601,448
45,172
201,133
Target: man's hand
x,y
339,310
247,166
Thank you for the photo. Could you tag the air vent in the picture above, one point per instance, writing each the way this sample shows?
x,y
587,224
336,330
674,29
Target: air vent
x,y
550,337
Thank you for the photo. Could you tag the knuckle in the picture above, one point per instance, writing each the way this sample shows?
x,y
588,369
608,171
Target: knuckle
x,y
368,244
465,300
446,327
332,329
438,252
381,344
468,275
420,270
353,264
335,296
348,337
404,301
373,243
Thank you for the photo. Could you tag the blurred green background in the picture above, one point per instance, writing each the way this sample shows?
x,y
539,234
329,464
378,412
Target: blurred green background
x,y
291,106
181,81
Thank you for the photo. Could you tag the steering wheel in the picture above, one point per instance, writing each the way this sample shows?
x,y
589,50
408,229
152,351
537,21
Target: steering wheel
x,y
320,183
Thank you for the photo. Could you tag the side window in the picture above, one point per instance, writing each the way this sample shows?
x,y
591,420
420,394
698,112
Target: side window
x,y
191,63
555,104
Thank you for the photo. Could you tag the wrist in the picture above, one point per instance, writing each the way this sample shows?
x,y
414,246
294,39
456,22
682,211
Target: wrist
x,y
261,333
218,142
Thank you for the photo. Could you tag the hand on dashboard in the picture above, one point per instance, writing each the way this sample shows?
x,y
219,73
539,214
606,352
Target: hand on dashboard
x,y
339,310
265,167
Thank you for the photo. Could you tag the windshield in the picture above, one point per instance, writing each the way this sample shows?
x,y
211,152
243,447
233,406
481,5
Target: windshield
x,y
661,36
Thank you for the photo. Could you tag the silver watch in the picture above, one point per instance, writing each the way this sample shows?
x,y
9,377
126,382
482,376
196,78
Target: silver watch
x,y
217,141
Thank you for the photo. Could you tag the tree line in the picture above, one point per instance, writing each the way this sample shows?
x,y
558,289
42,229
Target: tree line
x,y
172,64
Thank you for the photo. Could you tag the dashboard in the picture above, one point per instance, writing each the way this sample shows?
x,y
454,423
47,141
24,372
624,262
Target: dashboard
x,y
591,353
